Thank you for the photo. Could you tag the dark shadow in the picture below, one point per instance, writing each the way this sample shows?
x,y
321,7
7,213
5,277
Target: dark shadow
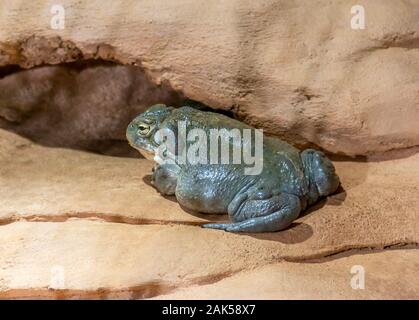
x,y
9,69
394,154
317,206
352,174
115,148
147,180
335,199
338,197
83,105
297,232
336,157
203,107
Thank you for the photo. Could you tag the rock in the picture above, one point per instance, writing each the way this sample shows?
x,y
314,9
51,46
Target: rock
x,y
55,184
94,221
82,259
320,281
296,69
81,225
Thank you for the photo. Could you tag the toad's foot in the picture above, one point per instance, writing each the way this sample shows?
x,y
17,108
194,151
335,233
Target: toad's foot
x,y
164,178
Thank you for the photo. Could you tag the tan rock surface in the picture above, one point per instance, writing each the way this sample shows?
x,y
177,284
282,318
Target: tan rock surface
x,y
295,68
51,183
142,245
388,275
105,260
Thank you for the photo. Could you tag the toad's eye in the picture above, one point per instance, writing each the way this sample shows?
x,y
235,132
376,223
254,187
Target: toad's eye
x,y
143,129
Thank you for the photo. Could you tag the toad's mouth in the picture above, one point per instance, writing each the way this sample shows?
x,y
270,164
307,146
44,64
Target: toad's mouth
x,y
145,150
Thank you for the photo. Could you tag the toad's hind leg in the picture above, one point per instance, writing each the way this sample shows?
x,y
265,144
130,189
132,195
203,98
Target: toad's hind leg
x,y
253,214
319,173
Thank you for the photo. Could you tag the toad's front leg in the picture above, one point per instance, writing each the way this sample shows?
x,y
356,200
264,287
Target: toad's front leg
x,y
164,178
260,213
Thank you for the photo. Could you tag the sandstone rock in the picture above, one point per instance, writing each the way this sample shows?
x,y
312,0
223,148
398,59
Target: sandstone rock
x,y
81,259
294,68
39,183
95,219
75,224
321,280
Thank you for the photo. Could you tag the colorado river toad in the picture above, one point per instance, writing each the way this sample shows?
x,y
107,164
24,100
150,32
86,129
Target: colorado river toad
x,y
268,200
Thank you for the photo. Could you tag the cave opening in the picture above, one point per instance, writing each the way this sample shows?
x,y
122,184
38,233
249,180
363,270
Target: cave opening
x,y
86,104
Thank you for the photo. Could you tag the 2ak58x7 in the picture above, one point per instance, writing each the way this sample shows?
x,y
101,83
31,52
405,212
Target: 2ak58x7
x,y
230,309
